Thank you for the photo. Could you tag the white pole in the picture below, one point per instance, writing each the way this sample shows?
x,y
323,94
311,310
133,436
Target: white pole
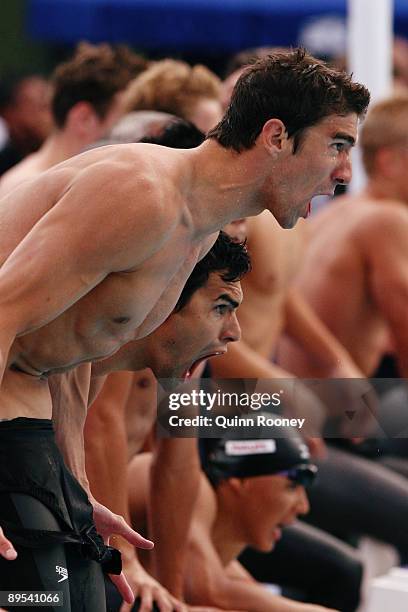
x,y
370,40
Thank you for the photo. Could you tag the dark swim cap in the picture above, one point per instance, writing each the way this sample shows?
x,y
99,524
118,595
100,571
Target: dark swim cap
x,y
232,456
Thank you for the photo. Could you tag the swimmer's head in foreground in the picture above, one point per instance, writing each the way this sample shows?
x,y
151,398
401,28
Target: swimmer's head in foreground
x,y
384,137
261,482
303,115
202,324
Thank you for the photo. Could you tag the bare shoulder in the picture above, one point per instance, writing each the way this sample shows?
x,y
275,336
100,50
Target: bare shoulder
x,y
384,222
14,177
131,176
127,197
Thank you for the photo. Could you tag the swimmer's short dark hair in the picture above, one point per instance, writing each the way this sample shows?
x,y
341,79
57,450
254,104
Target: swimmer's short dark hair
x,y
226,257
292,86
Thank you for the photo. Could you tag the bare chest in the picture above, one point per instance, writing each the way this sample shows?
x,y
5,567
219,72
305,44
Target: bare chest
x,y
121,308
130,299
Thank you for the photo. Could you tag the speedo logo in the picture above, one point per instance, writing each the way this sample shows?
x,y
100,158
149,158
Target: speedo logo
x,y
62,571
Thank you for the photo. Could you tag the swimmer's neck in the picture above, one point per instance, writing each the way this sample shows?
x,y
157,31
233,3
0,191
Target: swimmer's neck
x,y
60,145
223,185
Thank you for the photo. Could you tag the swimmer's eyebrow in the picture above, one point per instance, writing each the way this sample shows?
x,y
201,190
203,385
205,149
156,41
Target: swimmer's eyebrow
x,y
342,136
228,298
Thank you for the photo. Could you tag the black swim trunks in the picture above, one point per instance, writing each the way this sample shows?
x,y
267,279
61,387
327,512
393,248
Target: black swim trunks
x,y
47,515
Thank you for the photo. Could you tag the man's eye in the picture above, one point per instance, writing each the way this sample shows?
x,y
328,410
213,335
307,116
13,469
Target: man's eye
x,y
292,484
221,309
340,146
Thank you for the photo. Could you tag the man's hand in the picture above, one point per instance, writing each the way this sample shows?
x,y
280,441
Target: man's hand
x,y
6,548
107,524
149,590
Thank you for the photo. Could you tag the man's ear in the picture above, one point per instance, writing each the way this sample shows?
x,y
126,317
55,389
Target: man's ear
x,y
236,484
274,135
83,118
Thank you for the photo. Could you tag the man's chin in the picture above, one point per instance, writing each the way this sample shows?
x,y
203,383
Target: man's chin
x,y
265,547
289,221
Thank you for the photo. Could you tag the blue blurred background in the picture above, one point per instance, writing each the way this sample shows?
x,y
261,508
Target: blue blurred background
x,y
39,33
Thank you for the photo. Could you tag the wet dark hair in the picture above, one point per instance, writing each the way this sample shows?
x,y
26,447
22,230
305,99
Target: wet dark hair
x,y
178,134
292,86
228,258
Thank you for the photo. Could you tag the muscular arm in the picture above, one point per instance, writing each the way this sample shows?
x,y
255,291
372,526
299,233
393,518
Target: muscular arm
x,y
106,449
311,334
69,393
98,226
174,484
388,277
106,444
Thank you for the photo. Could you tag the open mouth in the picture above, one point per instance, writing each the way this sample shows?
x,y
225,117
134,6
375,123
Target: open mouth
x,y
308,210
187,374
277,532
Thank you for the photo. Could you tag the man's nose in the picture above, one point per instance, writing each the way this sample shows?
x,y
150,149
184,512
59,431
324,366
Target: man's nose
x,y
343,172
232,331
303,505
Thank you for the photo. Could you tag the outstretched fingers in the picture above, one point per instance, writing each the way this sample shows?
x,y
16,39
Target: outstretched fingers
x,y
6,548
123,529
123,587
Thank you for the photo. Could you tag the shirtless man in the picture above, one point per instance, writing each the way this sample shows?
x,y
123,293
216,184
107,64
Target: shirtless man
x,y
355,278
174,456
271,308
125,281
258,489
86,102
203,323
362,254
